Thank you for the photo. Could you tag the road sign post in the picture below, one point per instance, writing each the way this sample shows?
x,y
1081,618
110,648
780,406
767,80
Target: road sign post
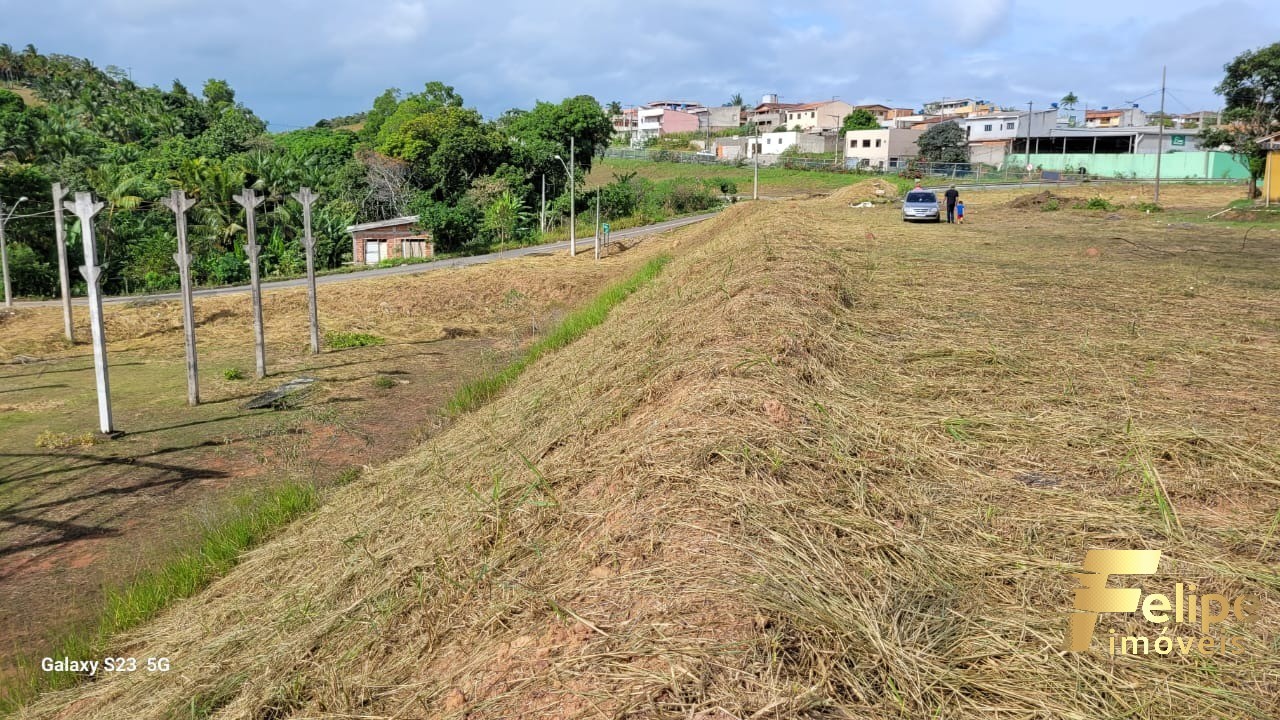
x,y
249,200
179,203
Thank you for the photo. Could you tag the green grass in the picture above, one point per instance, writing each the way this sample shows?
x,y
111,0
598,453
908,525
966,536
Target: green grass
x,y
481,390
233,374
220,547
344,340
384,382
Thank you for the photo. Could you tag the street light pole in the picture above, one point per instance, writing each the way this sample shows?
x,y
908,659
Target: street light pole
x,y
573,207
573,217
4,251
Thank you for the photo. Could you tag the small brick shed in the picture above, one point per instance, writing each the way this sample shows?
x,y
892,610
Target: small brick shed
x,y
400,237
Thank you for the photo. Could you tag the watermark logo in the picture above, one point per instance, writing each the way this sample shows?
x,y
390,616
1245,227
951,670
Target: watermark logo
x,y
1094,597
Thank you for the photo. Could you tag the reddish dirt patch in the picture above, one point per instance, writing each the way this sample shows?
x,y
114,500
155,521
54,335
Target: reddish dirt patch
x,y
92,517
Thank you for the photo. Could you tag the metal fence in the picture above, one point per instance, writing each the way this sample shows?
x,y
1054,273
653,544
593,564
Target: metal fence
x,y
957,173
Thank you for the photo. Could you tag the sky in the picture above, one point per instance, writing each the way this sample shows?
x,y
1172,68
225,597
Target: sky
x,y
297,61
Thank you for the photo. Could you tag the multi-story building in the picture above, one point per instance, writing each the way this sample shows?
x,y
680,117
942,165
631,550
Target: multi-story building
x,y
963,107
880,149
1110,118
991,136
808,117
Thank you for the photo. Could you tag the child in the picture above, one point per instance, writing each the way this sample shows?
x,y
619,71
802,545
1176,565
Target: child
x,y
960,212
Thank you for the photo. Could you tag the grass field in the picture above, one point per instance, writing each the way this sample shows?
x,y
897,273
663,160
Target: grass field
x,y
158,513
827,464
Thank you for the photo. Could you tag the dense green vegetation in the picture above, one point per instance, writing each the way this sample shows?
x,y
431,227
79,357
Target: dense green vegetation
x,y
473,182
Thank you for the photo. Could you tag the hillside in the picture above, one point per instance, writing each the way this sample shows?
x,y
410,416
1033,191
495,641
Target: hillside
x,y
827,465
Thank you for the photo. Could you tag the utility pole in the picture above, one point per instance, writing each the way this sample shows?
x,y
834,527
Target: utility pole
x,y
1160,141
4,251
85,208
755,162
250,200
64,274
542,214
179,203
597,223
1027,149
306,198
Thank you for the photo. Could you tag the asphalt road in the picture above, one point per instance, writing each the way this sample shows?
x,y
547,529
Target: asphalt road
x,y
584,245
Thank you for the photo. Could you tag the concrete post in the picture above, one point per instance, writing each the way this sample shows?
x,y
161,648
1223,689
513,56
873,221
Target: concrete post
x,y
4,262
306,198
179,203
597,224
249,200
64,274
85,208
542,215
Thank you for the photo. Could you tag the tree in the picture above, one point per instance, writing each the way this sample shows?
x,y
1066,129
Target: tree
x,y
1251,89
735,100
615,108
1068,101
383,107
219,93
860,119
944,142
503,215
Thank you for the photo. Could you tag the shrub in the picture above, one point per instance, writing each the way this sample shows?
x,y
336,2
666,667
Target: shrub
x,y
1096,202
344,340
232,374
1148,207
1051,205
384,382
57,441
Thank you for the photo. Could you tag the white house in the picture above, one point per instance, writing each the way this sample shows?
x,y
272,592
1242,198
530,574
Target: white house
x,y
880,149
991,136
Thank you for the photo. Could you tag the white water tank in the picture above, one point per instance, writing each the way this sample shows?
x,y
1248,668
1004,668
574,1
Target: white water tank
x,y
769,98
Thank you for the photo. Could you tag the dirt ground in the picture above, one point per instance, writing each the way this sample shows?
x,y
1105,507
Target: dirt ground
x,y
79,519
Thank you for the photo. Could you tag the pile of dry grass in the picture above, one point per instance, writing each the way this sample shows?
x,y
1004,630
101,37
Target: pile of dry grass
x,y
787,480
874,190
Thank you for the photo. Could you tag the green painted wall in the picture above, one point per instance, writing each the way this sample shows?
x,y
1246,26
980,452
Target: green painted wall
x,y
1172,165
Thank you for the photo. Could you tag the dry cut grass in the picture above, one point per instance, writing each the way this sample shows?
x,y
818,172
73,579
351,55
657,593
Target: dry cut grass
x,y
825,466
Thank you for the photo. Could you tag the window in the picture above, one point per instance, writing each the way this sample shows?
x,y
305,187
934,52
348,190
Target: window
x,y
810,114
866,143
877,142
986,128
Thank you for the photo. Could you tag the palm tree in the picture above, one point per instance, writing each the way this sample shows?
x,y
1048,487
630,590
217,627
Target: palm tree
x,y
8,61
735,100
615,108
122,187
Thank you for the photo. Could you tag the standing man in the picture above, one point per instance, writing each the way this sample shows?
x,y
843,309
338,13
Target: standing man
x,y
952,196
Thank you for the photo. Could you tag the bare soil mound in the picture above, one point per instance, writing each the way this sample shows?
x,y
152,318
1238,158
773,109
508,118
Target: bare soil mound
x,y
1035,201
